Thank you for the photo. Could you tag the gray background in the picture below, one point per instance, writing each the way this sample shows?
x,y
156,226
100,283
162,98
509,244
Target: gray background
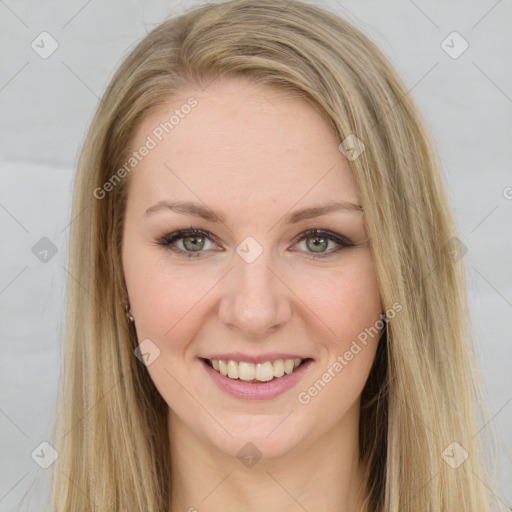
x,y
46,105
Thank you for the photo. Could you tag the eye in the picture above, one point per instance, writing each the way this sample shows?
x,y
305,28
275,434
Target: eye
x,y
193,241
317,240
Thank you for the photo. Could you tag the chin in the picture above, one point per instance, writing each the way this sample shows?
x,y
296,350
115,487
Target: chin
x,y
268,441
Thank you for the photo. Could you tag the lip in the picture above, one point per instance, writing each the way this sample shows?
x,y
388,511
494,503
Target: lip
x,y
261,358
257,391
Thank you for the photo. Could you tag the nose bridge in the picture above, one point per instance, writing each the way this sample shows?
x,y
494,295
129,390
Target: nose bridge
x,y
255,300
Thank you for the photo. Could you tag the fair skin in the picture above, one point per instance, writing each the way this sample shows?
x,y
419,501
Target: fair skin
x,y
255,154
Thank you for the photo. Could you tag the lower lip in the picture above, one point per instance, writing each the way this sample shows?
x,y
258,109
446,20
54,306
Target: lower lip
x,y
257,391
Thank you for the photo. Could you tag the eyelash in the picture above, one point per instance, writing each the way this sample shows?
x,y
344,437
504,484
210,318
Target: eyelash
x,y
170,238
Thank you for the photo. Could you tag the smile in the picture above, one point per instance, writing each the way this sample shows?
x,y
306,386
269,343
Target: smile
x,y
259,381
259,372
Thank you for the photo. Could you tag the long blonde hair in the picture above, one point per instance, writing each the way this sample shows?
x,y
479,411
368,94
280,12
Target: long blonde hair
x,y
422,393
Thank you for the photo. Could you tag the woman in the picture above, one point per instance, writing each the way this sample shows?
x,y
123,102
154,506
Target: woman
x,y
266,309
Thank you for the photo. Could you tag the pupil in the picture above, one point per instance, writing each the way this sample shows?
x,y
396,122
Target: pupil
x,y
317,245
195,244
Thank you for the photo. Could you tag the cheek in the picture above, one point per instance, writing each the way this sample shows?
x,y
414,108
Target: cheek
x,y
167,303
340,308
167,298
348,308
345,300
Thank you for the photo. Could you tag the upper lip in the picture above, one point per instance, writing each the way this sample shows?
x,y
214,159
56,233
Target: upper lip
x,y
260,358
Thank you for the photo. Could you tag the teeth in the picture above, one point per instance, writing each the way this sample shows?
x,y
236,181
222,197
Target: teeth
x,y
262,372
232,370
278,368
246,371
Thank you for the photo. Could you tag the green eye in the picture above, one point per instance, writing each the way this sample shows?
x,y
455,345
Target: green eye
x,y
320,245
194,240
320,242
193,243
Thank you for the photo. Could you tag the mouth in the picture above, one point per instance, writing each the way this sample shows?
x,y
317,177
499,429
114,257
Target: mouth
x,y
255,372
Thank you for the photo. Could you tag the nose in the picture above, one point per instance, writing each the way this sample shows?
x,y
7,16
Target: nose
x,y
254,299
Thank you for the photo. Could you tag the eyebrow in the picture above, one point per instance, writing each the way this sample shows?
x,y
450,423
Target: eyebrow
x,y
203,211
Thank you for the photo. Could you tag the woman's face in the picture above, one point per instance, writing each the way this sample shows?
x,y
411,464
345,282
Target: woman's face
x,y
252,165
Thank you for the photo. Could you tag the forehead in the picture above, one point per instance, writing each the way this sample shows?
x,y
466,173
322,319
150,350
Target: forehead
x,y
237,144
